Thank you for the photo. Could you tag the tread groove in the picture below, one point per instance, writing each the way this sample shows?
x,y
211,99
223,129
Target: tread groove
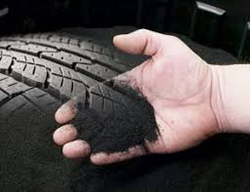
x,y
10,97
103,97
12,84
18,108
87,103
40,96
28,99
47,80
121,104
113,107
10,69
1,89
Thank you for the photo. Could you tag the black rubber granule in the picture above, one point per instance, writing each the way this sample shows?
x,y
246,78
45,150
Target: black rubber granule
x,y
122,124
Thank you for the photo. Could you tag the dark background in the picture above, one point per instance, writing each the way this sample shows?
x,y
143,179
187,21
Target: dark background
x,y
227,30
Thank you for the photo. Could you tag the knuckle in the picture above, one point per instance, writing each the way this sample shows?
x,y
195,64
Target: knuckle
x,y
174,38
143,31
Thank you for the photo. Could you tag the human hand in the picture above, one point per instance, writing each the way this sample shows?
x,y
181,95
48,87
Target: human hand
x,y
175,81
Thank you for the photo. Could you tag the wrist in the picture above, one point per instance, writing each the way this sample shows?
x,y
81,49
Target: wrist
x,y
232,97
217,98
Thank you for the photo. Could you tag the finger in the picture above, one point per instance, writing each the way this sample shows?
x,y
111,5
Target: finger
x,y
157,147
65,134
103,158
66,112
76,149
139,42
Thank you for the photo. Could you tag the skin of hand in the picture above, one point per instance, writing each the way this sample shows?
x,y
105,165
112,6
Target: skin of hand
x,y
181,87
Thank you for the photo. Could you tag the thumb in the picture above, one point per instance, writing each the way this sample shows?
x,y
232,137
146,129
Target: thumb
x,y
139,42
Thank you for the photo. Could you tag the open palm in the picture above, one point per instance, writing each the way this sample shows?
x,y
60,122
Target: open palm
x,y
175,81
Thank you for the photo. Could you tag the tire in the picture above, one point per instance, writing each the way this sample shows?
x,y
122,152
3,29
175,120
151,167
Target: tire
x,y
38,73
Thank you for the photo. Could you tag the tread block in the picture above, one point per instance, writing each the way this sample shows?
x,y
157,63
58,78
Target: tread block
x,y
97,71
74,41
4,52
25,58
11,107
18,69
5,63
42,42
43,100
64,58
32,74
3,97
31,48
55,85
105,98
86,80
84,45
98,49
77,89
106,61
13,87
6,43
37,74
100,102
66,88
